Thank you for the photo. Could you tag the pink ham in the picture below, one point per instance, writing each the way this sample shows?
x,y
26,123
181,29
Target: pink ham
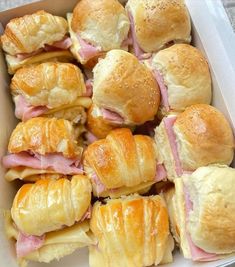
x,y
112,116
100,187
160,173
197,253
28,243
22,56
89,87
24,111
56,162
87,51
168,123
63,44
90,137
128,41
163,89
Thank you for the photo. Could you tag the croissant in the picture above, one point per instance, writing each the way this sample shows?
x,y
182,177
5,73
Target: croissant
x,y
49,205
55,245
45,89
132,231
122,164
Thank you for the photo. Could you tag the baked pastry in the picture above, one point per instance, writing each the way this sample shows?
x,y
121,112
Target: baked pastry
x,y
97,27
47,206
35,38
124,90
45,90
156,24
122,164
203,210
42,146
196,137
132,231
183,76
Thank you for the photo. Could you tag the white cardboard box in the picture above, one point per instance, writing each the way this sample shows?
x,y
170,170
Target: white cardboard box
x,y
212,33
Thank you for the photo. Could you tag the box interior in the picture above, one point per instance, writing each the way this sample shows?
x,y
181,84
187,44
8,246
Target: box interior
x,y
8,122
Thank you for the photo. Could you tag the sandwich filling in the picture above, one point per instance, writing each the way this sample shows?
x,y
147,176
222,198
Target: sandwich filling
x,y
197,253
63,44
54,161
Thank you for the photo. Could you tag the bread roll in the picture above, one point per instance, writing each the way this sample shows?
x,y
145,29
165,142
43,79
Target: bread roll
x,y
125,87
204,207
184,77
44,135
97,26
155,23
121,164
49,205
197,137
132,231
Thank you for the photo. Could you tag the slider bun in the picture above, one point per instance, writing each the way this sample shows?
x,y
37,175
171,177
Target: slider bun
x,y
131,231
47,84
103,23
14,64
57,244
204,137
97,124
211,222
121,160
123,85
45,135
49,205
158,22
186,75
31,32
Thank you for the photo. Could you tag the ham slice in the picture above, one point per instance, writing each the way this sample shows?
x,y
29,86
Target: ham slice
x,y
160,173
22,56
24,111
168,123
28,243
89,87
163,89
87,51
90,137
112,116
197,253
100,187
56,162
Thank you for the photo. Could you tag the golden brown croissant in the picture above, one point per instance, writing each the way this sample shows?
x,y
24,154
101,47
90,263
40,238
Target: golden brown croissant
x,y
44,135
131,231
30,32
49,205
46,89
122,164
56,244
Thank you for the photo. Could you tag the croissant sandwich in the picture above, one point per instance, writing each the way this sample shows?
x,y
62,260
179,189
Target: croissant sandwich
x,y
183,76
122,164
97,27
49,218
156,24
197,137
46,90
203,209
132,231
42,146
35,38
124,91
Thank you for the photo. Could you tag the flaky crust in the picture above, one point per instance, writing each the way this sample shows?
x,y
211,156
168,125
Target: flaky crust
x,y
48,205
158,22
97,124
131,231
186,75
103,23
211,222
121,160
44,135
51,84
123,85
31,32
204,137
